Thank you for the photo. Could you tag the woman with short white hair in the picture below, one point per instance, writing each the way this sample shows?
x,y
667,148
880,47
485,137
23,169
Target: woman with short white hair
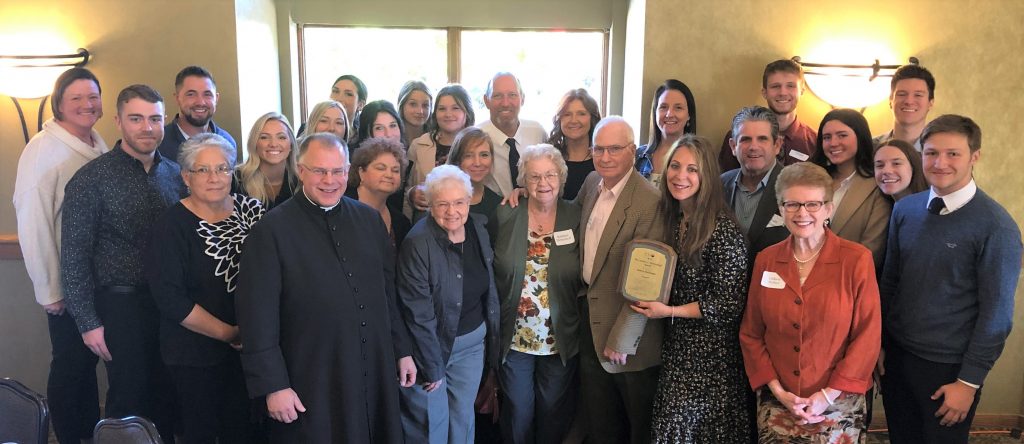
x,y
450,306
537,271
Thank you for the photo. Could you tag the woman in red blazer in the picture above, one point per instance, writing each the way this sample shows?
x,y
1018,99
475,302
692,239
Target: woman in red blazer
x,y
811,332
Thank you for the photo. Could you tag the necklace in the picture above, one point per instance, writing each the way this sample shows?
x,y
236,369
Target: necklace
x,y
541,222
801,263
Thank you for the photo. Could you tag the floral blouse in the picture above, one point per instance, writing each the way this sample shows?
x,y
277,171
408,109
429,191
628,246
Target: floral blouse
x,y
533,334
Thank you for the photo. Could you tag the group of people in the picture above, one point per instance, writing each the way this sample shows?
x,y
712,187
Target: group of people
x,y
363,280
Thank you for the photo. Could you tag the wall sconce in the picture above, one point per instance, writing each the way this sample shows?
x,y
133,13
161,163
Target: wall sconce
x,y
849,86
32,77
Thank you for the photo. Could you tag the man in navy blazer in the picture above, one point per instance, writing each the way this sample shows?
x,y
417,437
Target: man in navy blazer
x,y
750,189
197,96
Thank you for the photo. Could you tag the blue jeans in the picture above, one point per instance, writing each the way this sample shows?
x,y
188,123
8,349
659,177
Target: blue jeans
x,y
446,414
539,397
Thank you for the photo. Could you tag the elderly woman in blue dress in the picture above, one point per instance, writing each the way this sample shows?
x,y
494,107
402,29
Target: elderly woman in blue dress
x,y
192,268
537,271
450,306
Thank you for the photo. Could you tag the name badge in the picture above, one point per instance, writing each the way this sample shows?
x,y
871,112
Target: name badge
x,y
772,279
776,221
564,237
798,155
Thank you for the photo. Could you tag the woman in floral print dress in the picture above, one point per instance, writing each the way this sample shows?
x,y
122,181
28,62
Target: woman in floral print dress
x,y
537,272
702,393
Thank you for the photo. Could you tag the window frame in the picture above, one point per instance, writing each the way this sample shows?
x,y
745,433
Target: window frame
x,y
454,56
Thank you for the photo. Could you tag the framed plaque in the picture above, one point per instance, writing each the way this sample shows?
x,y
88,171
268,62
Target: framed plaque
x,y
647,271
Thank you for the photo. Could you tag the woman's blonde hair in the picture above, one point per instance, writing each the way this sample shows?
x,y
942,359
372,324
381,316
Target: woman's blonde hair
x,y
318,111
252,180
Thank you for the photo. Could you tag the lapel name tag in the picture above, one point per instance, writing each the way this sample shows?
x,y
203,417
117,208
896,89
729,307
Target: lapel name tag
x,y
799,155
776,221
771,279
564,237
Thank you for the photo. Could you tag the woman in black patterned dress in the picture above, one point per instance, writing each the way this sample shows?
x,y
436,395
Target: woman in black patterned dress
x,y
191,268
702,393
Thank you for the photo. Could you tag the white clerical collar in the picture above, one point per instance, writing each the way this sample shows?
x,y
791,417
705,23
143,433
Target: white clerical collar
x,y
957,199
326,209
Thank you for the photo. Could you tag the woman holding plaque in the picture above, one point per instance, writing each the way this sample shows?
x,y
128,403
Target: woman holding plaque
x,y
537,273
812,329
702,390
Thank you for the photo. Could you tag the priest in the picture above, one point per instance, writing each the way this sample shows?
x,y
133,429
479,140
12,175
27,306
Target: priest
x,y
321,338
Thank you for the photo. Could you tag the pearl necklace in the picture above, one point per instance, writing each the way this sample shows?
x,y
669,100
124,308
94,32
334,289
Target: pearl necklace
x,y
802,263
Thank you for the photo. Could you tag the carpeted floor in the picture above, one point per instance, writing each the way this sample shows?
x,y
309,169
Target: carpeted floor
x,y
982,437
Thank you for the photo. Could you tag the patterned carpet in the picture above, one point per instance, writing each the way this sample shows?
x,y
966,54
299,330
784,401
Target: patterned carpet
x,y
980,437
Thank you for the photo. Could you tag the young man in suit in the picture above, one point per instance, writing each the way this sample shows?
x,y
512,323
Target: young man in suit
x,y
620,350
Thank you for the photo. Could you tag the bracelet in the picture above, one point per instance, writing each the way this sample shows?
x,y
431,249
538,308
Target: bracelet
x,y
830,402
672,313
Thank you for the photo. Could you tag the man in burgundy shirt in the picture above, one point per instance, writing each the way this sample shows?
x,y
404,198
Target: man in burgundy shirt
x,y
782,84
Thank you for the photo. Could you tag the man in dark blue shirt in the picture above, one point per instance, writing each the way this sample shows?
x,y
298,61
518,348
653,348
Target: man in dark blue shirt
x,y
197,96
109,206
947,289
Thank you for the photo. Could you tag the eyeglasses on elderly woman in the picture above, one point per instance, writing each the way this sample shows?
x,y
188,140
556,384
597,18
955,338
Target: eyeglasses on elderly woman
x,y
812,206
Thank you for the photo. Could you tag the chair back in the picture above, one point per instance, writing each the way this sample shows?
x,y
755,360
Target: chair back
x,y
25,417
127,430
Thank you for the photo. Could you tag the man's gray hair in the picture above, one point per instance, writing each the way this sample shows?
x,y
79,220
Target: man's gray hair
x,y
612,120
443,176
324,138
755,113
490,84
190,149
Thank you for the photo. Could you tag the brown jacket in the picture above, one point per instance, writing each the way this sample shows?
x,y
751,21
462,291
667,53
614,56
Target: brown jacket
x,y
613,323
863,217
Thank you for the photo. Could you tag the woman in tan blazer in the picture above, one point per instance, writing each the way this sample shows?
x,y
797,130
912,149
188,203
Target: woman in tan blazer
x,y
861,210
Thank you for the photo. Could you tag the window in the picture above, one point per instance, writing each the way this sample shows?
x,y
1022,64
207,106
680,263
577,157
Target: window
x,y
382,58
548,63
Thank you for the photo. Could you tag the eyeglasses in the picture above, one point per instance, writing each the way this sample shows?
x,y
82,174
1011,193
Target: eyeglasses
x,y
222,170
444,206
614,150
811,206
550,177
324,172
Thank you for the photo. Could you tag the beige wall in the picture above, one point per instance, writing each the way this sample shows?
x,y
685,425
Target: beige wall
x,y
719,49
131,42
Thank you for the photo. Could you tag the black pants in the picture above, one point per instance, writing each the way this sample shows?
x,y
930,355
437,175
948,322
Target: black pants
x,y
907,387
139,382
214,404
618,406
71,389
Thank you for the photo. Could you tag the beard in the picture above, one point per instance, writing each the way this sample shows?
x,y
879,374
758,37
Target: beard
x,y
196,122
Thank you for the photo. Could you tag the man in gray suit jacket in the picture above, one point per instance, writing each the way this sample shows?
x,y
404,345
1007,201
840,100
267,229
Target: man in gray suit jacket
x,y
620,350
750,189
